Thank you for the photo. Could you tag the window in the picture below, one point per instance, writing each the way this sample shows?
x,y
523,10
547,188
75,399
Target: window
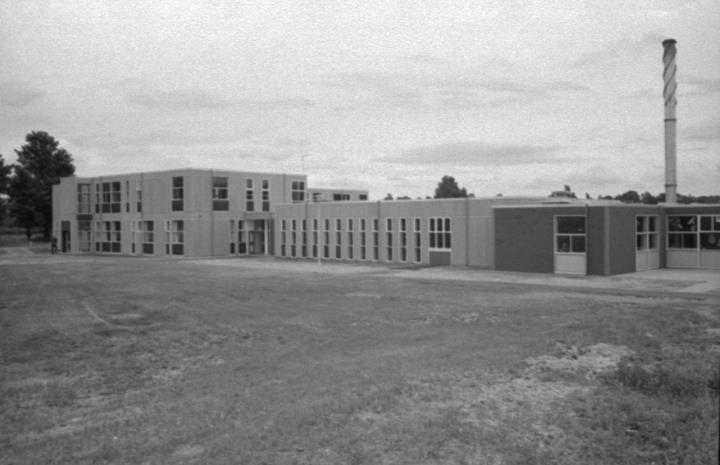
x,y
84,233
710,232
326,238
110,200
83,205
174,237
646,235
148,236
298,191
316,236
363,239
108,235
265,195
338,238
303,236
178,193
351,238
249,196
242,235
376,239
403,239
362,197
127,193
231,237
416,239
388,239
220,194
570,234
341,196
293,237
138,189
97,198
682,232
439,234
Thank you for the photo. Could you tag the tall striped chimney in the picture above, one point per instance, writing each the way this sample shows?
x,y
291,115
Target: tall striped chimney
x,y
669,71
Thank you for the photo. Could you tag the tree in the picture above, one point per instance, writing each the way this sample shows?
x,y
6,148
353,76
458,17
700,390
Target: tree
x,y
388,197
448,188
629,197
4,182
41,163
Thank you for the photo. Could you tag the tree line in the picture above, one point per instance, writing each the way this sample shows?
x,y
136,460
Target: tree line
x,y
26,186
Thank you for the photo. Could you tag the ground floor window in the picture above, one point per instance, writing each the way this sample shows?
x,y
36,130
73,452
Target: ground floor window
x,y
417,239
175,237
363,239
570,234
693,232
84,236
440,233
108,236
389,239
646,233
326,238
351,238
148,236
376,240
403,239
283,237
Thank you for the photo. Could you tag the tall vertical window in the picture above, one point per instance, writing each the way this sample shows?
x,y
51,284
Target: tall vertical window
x,y
178,193
97,198
570,234
646,234
439,233
107,236
174,237
242,237
138,190
231,236
389,239
338,238
249,195
283,237
220,200
403,239
297,191
148,236
363,239
710,232
417,235
326,238
265,195
293,238
303,237
315,235
83,199
110,200
351,239
376,239
84,235
682,232
127,196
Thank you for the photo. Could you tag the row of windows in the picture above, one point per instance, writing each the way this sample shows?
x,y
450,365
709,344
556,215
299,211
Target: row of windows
x,y
683,232
108,236
362,236
108,195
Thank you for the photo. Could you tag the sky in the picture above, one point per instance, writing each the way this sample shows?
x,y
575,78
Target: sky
x,y
510,97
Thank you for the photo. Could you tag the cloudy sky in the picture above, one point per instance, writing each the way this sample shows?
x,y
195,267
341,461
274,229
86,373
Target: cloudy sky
x,y
512,97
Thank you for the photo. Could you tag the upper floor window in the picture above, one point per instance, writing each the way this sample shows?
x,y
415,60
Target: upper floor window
x,y
249,195
265,195
220,194
341,196
298,191
178,193
83,205
110,200
362,197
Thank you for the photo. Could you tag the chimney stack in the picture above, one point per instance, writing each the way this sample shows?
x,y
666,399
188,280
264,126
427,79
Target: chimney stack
x,y
669,71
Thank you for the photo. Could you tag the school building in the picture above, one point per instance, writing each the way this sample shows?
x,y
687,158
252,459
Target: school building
x,y
197,213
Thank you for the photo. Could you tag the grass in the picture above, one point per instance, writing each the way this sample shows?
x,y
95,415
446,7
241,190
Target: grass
x,y
133,361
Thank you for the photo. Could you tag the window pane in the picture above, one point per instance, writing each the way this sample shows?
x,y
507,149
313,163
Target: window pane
x,y
682,223
640,224
578,244
710,241
562,244
571,224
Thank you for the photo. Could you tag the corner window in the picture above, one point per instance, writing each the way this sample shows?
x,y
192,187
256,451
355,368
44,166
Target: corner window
x,y
646,234
570,234
298,191
710,232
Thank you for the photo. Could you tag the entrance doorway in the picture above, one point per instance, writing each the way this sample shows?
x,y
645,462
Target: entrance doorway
x,y
65,236
257,238
570,245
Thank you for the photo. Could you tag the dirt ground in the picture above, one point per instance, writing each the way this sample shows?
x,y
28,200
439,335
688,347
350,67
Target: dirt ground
x,y
126,360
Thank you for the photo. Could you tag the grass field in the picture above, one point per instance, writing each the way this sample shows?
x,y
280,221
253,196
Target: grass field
x,y
128,361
